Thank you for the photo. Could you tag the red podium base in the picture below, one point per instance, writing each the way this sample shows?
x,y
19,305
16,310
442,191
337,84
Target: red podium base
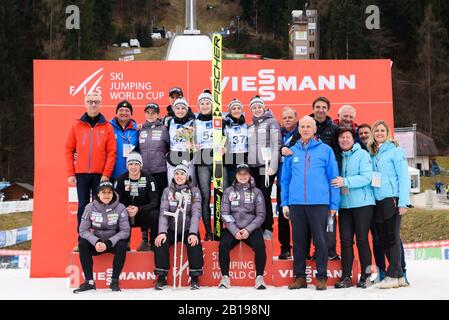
x,y
138,271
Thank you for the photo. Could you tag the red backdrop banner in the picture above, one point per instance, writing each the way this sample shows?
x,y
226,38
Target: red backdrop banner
x,y
60,86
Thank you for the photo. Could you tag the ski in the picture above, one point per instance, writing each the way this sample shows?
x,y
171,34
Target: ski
x,y
218,134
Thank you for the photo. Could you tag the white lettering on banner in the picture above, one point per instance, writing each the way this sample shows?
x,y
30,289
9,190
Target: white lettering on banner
x,y
107,276
311,273
267,82
82,87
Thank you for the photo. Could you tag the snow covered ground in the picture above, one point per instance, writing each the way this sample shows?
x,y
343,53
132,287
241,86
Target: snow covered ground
x,y
429,279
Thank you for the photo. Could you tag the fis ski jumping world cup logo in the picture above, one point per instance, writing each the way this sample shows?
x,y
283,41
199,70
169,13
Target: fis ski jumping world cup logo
x,y
83,87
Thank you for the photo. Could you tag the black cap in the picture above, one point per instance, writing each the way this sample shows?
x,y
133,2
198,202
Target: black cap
x,y
242,167
124,104
104,185
176,90
153,106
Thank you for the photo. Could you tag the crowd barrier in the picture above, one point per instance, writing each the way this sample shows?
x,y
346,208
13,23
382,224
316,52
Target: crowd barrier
x,y
16,206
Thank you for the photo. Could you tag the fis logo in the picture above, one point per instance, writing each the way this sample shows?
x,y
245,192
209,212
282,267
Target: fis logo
x,y
93,79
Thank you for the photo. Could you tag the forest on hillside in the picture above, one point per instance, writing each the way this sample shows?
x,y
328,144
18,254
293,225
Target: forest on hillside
x,y
413,34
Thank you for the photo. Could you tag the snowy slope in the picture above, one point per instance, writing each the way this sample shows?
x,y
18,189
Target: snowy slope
x,y
429,279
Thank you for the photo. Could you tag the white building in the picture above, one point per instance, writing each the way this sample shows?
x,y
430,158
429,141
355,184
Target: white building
x,y
420,149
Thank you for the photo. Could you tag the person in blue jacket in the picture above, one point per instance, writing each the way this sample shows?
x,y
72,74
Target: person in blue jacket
x,y
126,134
356,208
309,200
391,186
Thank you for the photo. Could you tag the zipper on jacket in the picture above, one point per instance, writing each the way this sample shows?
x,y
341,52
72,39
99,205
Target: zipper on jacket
x,y
90,149
305,177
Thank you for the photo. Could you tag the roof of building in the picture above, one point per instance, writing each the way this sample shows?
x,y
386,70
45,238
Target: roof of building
x,y
425,146
26,186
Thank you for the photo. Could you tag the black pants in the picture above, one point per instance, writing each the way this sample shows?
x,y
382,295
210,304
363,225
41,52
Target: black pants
x,y
87,250
161,181
306,220
355,221
259,178
379,253
388,224
161,184
194,254
255,241
283,224
205,174
86,183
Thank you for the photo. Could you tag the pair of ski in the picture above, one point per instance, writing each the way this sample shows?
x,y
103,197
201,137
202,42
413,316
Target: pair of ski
x,y
217,119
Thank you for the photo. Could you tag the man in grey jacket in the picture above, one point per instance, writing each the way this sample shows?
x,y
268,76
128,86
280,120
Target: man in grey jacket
x,y
104,228
154,144
264,142
243,213
181,184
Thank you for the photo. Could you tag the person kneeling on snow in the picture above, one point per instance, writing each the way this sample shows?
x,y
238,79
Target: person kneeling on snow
x,y
179,195
104,228
243,212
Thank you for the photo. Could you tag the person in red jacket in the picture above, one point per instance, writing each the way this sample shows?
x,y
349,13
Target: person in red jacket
x,y
90,152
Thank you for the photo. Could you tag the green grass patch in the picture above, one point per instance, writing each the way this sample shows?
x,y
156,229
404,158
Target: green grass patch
x,y
14,221
420,225
428,183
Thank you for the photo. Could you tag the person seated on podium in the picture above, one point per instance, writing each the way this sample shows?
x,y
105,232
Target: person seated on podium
x,y
104,228
180,195
243,213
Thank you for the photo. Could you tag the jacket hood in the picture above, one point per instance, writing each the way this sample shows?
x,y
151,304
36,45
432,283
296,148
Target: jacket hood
x,y
189,116
267,115
149,125
101,120
355,147
230,120
314,142
386,146
102,207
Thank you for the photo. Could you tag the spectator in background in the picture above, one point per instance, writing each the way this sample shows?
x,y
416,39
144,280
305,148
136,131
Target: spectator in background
x,y
92,138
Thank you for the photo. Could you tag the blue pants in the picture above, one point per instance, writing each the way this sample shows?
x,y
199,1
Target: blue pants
x,y
309,219
85,184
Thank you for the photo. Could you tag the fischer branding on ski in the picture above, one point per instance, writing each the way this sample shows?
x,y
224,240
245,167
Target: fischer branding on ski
x,y
218,134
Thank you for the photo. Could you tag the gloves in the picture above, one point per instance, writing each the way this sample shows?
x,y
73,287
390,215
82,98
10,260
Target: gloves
x,y
286,212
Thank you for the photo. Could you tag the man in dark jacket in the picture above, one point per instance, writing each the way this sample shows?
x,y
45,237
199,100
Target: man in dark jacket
x,y
138,192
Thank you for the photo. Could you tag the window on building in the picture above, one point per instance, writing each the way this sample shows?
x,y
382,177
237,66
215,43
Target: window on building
x,y
311,44
312,56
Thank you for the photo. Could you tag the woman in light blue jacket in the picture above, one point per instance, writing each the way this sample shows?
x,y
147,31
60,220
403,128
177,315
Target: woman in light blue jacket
x,y
356,208
391,185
